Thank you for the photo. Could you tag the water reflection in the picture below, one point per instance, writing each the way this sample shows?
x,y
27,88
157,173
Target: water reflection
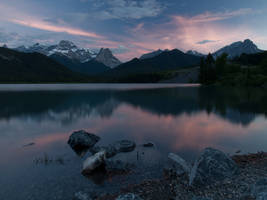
x,y
182,119
239,106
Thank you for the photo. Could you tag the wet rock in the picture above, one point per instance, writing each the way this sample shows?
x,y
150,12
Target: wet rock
x,y
28,145
149,144
259,190
81,140
181,165
110,150
92,162
212,166
124,146
129,196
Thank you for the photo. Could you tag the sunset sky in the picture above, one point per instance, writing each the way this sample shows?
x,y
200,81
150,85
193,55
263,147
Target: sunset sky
x,y
133,27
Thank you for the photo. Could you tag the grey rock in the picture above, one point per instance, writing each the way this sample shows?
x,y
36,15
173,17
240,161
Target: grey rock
x,y
124,146
180,164
80,140
212,166
129,196
110,150
259,190
93,162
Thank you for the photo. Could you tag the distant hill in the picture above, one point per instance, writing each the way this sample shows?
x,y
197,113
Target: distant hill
x,y
34,67
238,48
167,60
91,67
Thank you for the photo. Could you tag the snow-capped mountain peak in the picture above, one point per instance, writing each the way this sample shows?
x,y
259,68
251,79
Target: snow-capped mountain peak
x,y
195,53
237,48
152,54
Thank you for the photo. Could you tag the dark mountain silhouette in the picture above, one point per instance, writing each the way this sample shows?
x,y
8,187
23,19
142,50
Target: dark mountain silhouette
x,y
167,60
34,67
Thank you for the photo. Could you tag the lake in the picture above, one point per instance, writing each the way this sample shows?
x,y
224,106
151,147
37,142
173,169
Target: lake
x,y
37,120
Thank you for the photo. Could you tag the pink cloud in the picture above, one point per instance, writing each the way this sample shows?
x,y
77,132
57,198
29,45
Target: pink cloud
x,y
48,27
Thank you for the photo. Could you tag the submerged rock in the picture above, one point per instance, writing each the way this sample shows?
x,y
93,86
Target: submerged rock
x,y
82,140
259,190
149,144
93,162
117,167
129,196
212,166
28,145
124,146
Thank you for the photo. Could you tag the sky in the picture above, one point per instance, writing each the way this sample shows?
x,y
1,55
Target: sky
x,y
131,28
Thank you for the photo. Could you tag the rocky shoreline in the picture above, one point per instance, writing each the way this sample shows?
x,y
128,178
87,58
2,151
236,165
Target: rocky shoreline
x,y
248,184
214,175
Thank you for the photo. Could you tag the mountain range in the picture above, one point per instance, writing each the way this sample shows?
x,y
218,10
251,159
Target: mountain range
x,y
81,60
167,60
104,65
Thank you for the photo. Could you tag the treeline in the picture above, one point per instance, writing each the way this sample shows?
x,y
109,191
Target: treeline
x,y
246,70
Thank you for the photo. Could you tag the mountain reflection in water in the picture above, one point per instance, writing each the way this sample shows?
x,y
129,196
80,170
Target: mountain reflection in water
x,y
182,120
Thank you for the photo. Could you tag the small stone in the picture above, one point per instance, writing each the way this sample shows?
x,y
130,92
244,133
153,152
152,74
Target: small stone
x,y
200,198
81,196
149,144
129,196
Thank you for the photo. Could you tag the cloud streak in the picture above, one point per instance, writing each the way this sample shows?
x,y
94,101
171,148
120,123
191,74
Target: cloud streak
x,y
58,29
213,17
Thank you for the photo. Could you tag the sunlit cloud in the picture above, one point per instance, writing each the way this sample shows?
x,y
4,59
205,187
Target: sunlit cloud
x,y
48,27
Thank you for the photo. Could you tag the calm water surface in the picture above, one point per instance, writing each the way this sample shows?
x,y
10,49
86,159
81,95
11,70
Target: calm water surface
x,y
178,118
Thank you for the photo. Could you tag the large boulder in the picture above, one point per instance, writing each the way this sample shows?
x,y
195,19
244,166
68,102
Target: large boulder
x,y
181,165
81,140
111,151
259,190
129,196
212,166
93,162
